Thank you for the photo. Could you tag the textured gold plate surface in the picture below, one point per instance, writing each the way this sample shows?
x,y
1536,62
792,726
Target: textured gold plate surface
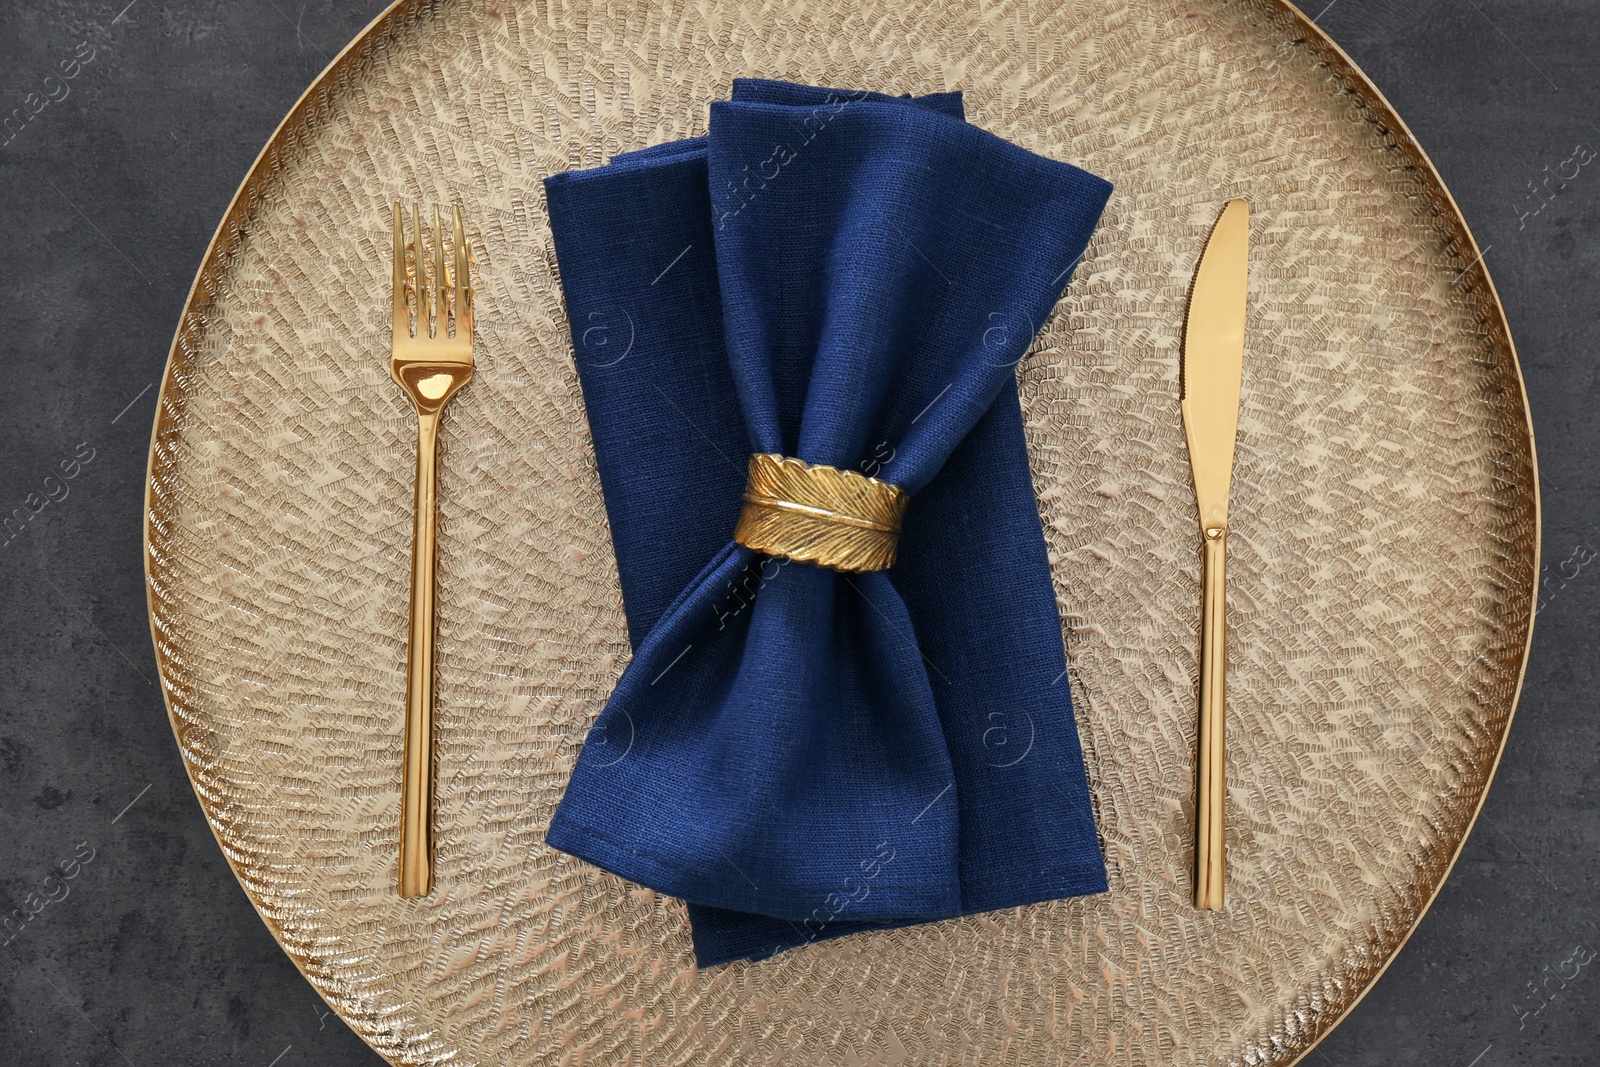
x,y
1384,545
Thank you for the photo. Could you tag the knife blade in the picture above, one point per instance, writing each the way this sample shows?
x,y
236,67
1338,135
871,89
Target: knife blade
x,y
1211,378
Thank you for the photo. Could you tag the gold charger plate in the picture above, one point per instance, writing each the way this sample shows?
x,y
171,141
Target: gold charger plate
x,y
1385,545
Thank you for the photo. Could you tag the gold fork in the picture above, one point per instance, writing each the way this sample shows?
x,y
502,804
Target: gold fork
x,y
431,365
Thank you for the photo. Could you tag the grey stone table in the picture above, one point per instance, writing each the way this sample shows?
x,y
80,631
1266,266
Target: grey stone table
x,y
108,196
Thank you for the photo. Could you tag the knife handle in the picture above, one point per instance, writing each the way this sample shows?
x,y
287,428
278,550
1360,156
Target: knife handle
x,y
1208,881
416,787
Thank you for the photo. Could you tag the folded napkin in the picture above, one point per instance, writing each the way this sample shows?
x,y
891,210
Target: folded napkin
x,y
849,279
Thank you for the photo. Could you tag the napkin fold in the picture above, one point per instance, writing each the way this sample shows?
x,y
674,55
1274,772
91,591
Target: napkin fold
x,y
848,278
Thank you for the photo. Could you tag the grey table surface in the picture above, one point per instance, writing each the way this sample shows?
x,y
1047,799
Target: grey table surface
x,y
108,197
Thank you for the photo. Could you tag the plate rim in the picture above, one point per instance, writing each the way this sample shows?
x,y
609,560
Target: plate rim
x,y
1396,131
1431,173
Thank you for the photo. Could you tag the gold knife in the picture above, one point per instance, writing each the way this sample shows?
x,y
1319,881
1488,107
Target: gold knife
x,y
1213,362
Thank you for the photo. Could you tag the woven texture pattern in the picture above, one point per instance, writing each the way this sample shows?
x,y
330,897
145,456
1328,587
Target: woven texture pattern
x,y
1382,554
831,540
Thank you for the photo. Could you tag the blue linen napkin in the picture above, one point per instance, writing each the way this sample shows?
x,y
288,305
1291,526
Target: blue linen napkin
x,y
849,278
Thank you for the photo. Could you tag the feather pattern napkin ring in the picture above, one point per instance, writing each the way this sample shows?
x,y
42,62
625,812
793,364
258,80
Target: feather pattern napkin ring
x,y
820,514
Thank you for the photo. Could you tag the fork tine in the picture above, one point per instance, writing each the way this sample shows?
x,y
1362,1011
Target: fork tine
x,y
402,321
440,308
463,278
420,267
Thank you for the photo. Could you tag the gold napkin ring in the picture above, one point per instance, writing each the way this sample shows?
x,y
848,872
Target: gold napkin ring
x,y
819,514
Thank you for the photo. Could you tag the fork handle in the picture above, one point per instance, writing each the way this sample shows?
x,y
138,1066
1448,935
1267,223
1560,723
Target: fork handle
x,y
1211,778
416,790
